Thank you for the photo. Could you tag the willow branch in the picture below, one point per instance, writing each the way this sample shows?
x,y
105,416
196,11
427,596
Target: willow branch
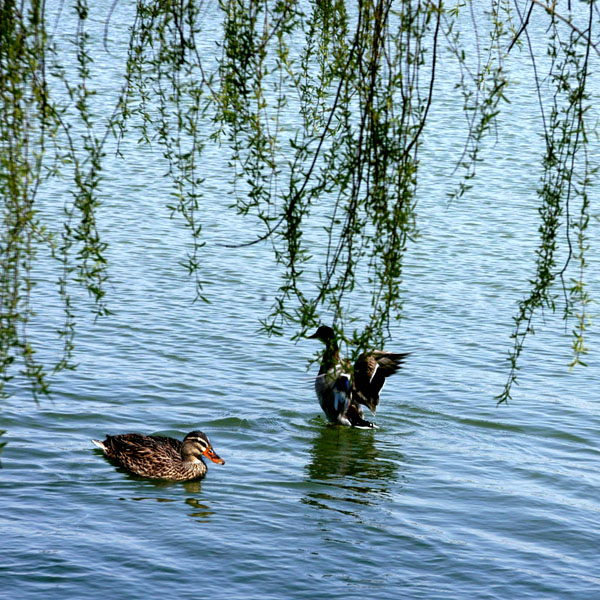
x,y
552,12
522,29
307,176
431,83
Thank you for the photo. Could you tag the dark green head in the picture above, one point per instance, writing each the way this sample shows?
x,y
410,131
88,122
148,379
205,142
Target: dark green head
x,y
323,333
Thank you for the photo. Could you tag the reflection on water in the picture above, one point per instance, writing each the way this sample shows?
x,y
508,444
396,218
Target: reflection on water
x,y
192,487
339,452
142,498
349,466
201,511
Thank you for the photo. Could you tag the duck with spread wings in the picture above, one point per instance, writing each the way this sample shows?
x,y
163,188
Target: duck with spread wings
x,y
343,388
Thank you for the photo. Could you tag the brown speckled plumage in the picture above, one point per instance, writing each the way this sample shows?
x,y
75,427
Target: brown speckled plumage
x,y
160,457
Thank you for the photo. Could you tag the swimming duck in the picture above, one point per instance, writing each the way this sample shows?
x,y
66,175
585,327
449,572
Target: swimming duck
x,y
160,457
342,388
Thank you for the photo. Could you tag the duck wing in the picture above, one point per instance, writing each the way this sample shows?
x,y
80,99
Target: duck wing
x,y
170,446
370,372
140,447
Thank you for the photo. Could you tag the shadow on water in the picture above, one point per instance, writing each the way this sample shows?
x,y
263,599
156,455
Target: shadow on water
x,y
349,466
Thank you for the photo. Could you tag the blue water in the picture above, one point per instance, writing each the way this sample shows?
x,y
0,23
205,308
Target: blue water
x,y
452,497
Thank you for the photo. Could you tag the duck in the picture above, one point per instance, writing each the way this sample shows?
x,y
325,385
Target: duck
x,y
343,389
158,457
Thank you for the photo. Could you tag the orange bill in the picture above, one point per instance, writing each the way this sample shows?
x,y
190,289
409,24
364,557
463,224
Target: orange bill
x,y
210,453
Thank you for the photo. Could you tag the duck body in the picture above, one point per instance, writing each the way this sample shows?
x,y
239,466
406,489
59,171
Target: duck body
x,y
333,388
343,388
159,457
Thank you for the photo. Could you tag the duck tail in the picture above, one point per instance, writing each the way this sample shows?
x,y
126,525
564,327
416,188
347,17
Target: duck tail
x,y
355,416
360,423
99,444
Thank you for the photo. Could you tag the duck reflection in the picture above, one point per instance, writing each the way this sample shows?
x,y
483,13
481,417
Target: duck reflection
x,y
352,467
201,512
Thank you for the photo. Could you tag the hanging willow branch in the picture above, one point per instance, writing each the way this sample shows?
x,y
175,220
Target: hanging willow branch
x,y
363,109
561,183
321,108
25,119
34,132
164,86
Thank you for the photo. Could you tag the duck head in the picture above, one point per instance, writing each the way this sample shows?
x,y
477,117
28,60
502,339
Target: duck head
x,y
323,333
196,444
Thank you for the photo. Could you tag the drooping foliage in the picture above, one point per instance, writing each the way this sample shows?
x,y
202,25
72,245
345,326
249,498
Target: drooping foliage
x,y
322,106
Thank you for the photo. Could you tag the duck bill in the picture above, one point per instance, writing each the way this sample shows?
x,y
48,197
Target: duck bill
x,y
212,455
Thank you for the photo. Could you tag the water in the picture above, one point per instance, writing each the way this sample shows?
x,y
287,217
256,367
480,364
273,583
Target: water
x,y
451,497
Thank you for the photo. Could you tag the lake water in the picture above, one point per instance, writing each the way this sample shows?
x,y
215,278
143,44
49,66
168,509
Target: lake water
x,y
452,497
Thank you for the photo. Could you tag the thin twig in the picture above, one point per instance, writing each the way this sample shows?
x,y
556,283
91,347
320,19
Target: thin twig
x,y
576,29
523,27
107,24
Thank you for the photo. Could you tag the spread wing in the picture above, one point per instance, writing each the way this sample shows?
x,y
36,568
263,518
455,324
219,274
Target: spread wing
x,y
370,372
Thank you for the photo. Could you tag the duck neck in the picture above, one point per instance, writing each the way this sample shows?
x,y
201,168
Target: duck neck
x,y
192,467
331,356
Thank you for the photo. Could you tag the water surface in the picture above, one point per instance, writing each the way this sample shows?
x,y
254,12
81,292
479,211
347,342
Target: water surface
x,y
451,497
